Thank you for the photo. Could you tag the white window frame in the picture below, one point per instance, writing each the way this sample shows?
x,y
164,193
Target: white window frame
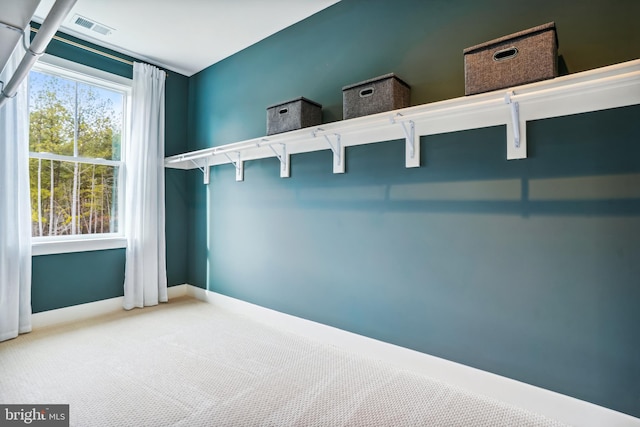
x,y
48,245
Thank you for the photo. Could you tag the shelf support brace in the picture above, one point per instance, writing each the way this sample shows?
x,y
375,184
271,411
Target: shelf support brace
x,y
412,148
516,129
204,169
285,160
338,151
239,165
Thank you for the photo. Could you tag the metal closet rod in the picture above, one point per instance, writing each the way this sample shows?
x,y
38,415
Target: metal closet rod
x,y
52,22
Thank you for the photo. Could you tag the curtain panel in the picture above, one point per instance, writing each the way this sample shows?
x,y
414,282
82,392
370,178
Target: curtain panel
x,y
145,271
15,209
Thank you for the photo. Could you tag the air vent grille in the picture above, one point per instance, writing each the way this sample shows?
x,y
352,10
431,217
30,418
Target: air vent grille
x,y
84,22
90,24
102,30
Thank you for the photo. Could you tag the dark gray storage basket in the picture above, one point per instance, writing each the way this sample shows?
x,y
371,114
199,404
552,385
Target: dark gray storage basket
x,y
291,115
524,57
375,95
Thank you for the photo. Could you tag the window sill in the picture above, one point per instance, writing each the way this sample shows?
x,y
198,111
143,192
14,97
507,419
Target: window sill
x,y
63,246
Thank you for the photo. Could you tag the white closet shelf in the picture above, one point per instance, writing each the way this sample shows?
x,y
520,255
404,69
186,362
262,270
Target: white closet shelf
x,y
600,89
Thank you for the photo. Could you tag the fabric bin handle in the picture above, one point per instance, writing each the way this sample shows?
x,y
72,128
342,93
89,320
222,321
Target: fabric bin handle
x,y
368,91
504,54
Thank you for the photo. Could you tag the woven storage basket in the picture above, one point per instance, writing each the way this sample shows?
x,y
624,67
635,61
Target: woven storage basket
x,y
524,57
291,115
383,93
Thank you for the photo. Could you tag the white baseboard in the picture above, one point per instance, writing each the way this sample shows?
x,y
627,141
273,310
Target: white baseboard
x,y
178,291
81,312
551,404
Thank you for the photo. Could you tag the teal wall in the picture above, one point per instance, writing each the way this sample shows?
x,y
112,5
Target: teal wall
x,y
68,279
526,268
64,280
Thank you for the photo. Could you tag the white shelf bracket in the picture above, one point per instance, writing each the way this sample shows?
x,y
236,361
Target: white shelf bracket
x,y
516,131
239,165
338,152
412,147
285,160
336,147
205,170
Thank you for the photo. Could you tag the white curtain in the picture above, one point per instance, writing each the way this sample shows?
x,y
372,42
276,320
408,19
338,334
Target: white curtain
x,y
15,209
145,272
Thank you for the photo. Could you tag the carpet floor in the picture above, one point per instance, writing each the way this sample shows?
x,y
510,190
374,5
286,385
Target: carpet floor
x,y
187,363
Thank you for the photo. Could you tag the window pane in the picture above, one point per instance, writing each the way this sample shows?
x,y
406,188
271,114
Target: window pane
x,y
70,198
51,109
99,122
74,118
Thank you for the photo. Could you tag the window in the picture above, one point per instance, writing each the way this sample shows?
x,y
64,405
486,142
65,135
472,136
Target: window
x,y
77,134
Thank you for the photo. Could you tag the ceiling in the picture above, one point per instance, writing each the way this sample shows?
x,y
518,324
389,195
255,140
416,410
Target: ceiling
x,y
184,36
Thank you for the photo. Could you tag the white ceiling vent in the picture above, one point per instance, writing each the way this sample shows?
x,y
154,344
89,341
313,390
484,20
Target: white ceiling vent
x,y
91,25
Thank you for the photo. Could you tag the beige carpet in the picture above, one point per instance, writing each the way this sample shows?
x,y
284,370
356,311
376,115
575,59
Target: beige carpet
x,y
187,364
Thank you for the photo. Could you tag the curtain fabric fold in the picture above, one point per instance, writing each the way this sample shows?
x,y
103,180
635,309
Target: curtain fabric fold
x,y
145,272
15,209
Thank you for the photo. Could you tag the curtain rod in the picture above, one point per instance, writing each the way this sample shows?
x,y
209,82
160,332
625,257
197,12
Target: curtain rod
x,y
87,48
